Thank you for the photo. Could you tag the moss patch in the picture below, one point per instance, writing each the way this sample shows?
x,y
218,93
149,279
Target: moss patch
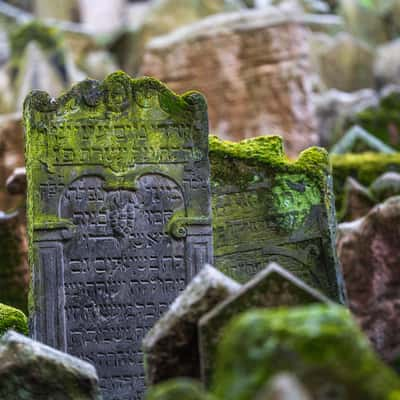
x,y
178,389
12,318
321,345
233,162
383,121
365,168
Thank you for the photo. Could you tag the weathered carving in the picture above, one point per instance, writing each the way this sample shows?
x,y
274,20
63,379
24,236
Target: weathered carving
x,y
119,216
267,209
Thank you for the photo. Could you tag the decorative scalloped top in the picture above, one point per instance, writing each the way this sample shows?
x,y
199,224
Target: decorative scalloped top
x,y
117,93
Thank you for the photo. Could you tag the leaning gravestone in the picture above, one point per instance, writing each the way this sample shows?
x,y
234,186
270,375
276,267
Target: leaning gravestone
x,y
119,217
267,209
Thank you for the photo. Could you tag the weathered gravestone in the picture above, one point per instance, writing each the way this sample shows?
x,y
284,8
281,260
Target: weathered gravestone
x,y
266,209
272,287
32,371
119,217
171,347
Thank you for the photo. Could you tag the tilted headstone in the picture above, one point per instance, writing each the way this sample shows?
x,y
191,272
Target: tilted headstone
x,y
272,287
267,209
32,371
119,217
171,347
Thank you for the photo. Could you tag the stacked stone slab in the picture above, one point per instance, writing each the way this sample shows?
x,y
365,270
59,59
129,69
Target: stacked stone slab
x,y
254,69
119,217
267,209
31,371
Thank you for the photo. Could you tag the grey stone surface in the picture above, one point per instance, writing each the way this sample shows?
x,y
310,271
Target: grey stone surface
x,y
119,210
30,370
272,287
171,347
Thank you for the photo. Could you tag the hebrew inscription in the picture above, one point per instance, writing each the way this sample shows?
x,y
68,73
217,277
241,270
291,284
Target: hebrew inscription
x,y
278,215
119,215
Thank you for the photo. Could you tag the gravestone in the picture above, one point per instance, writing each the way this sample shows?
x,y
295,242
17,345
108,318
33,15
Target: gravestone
x,y
171,347
270,288
32,371
267,209
119,217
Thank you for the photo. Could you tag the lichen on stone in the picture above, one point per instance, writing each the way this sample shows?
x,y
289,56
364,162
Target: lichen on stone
x,y
12,318
322,345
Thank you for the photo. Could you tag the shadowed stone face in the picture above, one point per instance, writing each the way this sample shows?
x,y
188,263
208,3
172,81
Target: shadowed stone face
x,y
31,370
119,215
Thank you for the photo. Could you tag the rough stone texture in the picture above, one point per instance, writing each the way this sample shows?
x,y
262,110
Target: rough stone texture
x,y
272,287
386,185
256,75
11,156
387,64
178,389
14,268
12,318
171,347
119,215
321,345
346,63
164,16
358,200
369,253
32,371
334,108
266,209
358,140
283,386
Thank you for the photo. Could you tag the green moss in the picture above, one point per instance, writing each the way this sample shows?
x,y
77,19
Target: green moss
x,y
321,345
178,389
235,162
12,318
49,39
365,168
383,120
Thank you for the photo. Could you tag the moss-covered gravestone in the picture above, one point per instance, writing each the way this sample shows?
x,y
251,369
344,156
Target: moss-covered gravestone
x,y
266,209
270,288
119,217
321,345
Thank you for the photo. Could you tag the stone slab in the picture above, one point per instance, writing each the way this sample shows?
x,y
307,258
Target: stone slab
x,y
119,217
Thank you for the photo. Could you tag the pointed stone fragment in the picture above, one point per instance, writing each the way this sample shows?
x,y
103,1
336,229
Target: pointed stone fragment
x,y
272,287
30,371
171,347
358,140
